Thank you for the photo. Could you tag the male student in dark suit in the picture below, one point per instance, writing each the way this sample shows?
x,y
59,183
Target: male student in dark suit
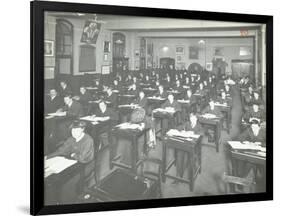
x,y
172,103
224,100
84,96
255,133
178,87
194,127
73,111
211,109
64,89
254,112
107,112
53,102
133,90
161,92
111,97
142,100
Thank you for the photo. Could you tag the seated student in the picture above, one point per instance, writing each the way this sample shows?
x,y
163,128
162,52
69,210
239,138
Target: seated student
x,y
84,96
189,96
255,133
201,89
64,89
212,109
72,107
80,146
105,111
132,90
256,99
142,100
254,113
186,83
116,85
244,84
147,80
171,103
141,77
224,100
111,97
228,91
53,102
194,127
161,92
178,87
136,81
167,82
248,96
129,80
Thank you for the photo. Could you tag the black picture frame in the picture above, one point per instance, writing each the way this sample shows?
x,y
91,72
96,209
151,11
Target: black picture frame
x,y
37,106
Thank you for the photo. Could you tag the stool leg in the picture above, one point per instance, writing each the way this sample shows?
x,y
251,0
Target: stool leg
x,y
191,172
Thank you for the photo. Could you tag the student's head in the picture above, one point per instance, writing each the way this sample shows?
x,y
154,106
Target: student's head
x,y
171,98
189,92
205,83
63,84
212,104
102,105
227,87
82,90
135,79
178,83
187,79
201,86
223,94
250,89
134,87
109,90
255,125
255,107
256,95
115,82
193,118
67,99
77,129
157,83
161,89
97,82
147,77
141,94
53,92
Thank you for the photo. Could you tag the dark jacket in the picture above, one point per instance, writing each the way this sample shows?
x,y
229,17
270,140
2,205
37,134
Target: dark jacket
x,y
175,105
248,135
52,105
75,110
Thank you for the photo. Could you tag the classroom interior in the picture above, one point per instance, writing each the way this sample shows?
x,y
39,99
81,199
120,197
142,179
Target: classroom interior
x,y
170,107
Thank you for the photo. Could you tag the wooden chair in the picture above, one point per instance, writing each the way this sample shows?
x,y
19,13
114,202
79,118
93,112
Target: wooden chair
x,y
243,183
151,175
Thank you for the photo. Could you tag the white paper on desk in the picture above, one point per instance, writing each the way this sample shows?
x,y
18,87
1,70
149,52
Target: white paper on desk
x,y
209,116
101,119
49,117
57,114
183,101
156,98
183,134
88,118
219,104
243,146
167,110
57,164
128,105
128,125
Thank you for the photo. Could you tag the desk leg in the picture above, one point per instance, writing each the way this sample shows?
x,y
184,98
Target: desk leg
x,y
217,137
164,158
145,143
191,171
113,144
134,153
199,146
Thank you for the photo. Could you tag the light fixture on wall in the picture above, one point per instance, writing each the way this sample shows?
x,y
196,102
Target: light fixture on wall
x,y
201,42
165,48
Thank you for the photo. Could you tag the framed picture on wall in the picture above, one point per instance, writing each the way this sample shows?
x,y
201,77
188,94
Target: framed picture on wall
x,y
193,52
49,48
180,50
77,143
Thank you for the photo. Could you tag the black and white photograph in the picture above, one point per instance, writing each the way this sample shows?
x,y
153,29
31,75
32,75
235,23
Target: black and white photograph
x,y
165,130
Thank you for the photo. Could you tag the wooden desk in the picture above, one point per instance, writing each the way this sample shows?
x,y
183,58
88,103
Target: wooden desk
x,y
130,134
161,116
149,91
248,156
186,107
126,98
216,123
55,182
225,109
192,148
